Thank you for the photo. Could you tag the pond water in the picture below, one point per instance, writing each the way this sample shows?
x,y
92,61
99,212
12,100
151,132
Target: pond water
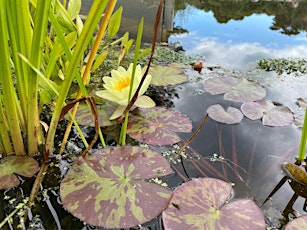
x,y
229,37
237,33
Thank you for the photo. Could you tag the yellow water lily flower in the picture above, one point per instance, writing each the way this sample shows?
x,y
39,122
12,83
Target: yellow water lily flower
x,y
118,85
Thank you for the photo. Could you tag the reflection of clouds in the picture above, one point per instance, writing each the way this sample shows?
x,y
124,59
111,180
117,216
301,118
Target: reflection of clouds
x,y
236,55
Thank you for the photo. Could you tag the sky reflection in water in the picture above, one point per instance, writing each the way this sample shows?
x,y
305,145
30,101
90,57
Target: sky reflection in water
x,y
236,44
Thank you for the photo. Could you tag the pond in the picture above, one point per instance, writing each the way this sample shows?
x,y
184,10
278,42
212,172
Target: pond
x,y
229,38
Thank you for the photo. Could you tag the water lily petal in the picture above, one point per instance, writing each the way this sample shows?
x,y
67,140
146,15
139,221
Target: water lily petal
x,y
117,87
104,94
144,102
145,84
119,110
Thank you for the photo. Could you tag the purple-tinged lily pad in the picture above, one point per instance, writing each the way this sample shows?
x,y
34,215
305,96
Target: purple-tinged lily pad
x,y
302,102
299,223
10,166
165,75
231,116
235,89
108,188
271,114
200,204
299,120
157,126
84,114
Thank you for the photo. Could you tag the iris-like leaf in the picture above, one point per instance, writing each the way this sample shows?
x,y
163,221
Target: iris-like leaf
x,y
157,126
165,75
235,89
74,7
200,204
297,224
10,166
271,115
230,116
108,187
114,23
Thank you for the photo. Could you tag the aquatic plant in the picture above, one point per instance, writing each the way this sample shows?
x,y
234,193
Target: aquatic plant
x,y
303,143
117,89
110,187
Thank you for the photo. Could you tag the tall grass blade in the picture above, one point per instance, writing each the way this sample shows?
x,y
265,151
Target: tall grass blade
x,y
94,15
9,101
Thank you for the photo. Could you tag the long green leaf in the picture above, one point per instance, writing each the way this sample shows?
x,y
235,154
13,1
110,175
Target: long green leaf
x,y
94,15
5,136
302,150
39,36
7,83
20,34
114,23
122,140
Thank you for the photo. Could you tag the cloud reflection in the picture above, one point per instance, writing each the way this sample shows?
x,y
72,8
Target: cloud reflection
x,y
236,55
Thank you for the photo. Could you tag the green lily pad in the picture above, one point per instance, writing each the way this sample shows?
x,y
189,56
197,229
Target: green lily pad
x,y
296,172
235,89
84,115
299,223
10,166
271,114
200,204
109,189
165,75
230,116
157,126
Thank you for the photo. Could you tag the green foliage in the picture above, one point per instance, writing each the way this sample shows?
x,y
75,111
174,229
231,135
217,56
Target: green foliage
x,y
45,61
303,143
281,65
114,23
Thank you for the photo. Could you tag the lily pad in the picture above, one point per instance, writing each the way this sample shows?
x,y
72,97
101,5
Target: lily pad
x,y
230,116
296,172
108,188
157,126
299,223
200,204
271,115
84,115
10,166
235,89
299,120
165,75
302,102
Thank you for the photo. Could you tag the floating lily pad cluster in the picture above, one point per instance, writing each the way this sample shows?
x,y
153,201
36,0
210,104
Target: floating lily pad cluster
x,y
270,114
110,187
253,107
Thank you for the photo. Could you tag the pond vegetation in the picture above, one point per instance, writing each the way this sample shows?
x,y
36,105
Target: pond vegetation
x,y
122,181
